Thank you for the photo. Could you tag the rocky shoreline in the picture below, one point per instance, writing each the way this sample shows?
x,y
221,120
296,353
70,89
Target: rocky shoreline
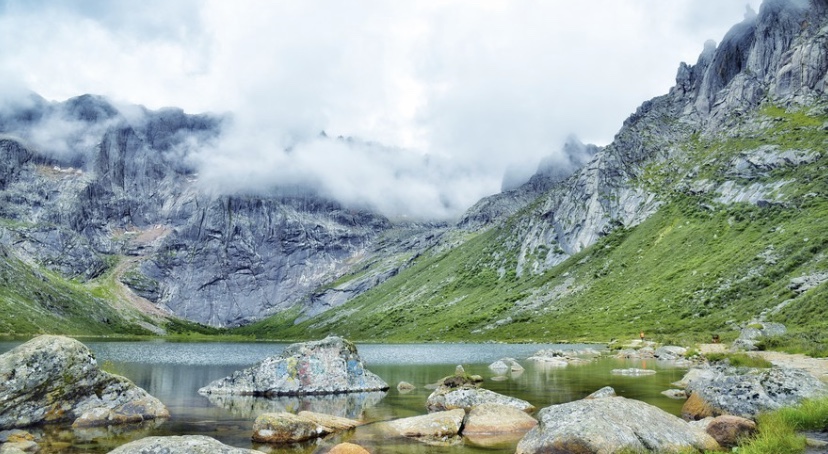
x,y
64,386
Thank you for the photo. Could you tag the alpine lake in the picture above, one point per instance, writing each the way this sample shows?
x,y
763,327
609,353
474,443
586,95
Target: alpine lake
x,y
174,371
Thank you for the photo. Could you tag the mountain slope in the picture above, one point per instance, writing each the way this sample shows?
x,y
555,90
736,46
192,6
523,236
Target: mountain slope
x,y
706,211
84,182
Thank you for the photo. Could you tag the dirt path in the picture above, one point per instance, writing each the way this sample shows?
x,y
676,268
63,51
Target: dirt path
x,y
818,367
126,293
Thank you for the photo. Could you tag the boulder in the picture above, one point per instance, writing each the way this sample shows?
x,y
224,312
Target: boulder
x,y
405,387
286,428
348,448
746,391
433,425
562,358
633,372
670,353
333,422
696,408
606,425
19,447
505,365
677,394
727,430
493,419
56,379
606,391
444,398
328,366
188,444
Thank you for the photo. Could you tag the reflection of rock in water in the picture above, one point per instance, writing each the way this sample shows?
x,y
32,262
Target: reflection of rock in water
x,y
349,405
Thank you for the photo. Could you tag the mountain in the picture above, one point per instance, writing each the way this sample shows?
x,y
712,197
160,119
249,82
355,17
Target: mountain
x,y
89,188
705,212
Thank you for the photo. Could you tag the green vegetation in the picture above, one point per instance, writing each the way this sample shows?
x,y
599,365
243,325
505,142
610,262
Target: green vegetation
x,y
814,344
695,268
739,360
35,300
779,430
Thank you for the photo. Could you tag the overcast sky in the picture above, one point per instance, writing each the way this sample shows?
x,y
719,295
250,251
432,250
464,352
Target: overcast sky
x,y
462,90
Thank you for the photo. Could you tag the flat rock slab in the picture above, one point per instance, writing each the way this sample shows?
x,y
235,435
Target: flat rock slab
x,y
56,379
612,424
189,444
433,425
328,366
495,419
286,428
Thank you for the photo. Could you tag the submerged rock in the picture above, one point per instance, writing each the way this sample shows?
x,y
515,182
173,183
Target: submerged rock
x,y
434,425
494,419
328,366
289,428
462,391
188,444
747,392
56,379
606,425
634,372
505,365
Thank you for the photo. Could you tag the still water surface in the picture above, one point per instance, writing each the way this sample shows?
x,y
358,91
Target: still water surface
x,y
173,372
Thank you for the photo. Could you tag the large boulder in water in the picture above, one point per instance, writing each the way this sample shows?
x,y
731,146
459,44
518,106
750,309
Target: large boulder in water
x,y
56,379
746,392
612,424
328,366
463,391
188,444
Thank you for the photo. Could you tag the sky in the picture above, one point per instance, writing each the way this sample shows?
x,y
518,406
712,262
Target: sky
x,y
441,98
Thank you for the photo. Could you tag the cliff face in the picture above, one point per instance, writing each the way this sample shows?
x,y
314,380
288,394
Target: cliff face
x,y
83,182
779,56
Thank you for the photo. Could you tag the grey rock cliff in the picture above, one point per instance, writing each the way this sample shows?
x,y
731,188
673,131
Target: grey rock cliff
x,y
778,55
115,184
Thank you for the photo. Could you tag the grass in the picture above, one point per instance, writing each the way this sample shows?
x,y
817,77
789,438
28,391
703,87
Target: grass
x,y
739,360
778,431
695,268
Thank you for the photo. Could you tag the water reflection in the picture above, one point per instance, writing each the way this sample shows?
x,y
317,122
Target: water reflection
x,y
174,372
351,405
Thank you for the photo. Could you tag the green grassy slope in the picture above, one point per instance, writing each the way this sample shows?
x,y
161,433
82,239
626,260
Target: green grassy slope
x,y
34,300
694,268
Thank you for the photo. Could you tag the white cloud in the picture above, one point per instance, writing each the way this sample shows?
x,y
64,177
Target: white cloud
x,y
477,87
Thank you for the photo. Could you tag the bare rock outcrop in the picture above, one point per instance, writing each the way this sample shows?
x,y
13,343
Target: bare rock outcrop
x,y
56,379
328,366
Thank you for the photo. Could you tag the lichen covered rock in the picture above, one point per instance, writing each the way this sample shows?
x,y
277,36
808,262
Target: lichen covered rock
x,y
56,379
328,366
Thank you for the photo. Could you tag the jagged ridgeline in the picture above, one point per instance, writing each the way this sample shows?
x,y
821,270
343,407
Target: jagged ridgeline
x,y
706,211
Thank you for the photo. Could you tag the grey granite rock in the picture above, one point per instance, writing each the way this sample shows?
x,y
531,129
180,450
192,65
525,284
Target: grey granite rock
x,y
328,366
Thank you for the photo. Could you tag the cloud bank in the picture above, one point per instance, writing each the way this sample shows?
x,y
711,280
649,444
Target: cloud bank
x,y
457,92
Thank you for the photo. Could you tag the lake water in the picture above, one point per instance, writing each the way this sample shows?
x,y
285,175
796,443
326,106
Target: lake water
x,y
173,372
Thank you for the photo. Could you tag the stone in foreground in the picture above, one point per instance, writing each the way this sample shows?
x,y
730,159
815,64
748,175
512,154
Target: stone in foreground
x,y
188,444
434,425
747,392
728,429
286,428
612,424
494,419
461,391
348,448
56,379
328,366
